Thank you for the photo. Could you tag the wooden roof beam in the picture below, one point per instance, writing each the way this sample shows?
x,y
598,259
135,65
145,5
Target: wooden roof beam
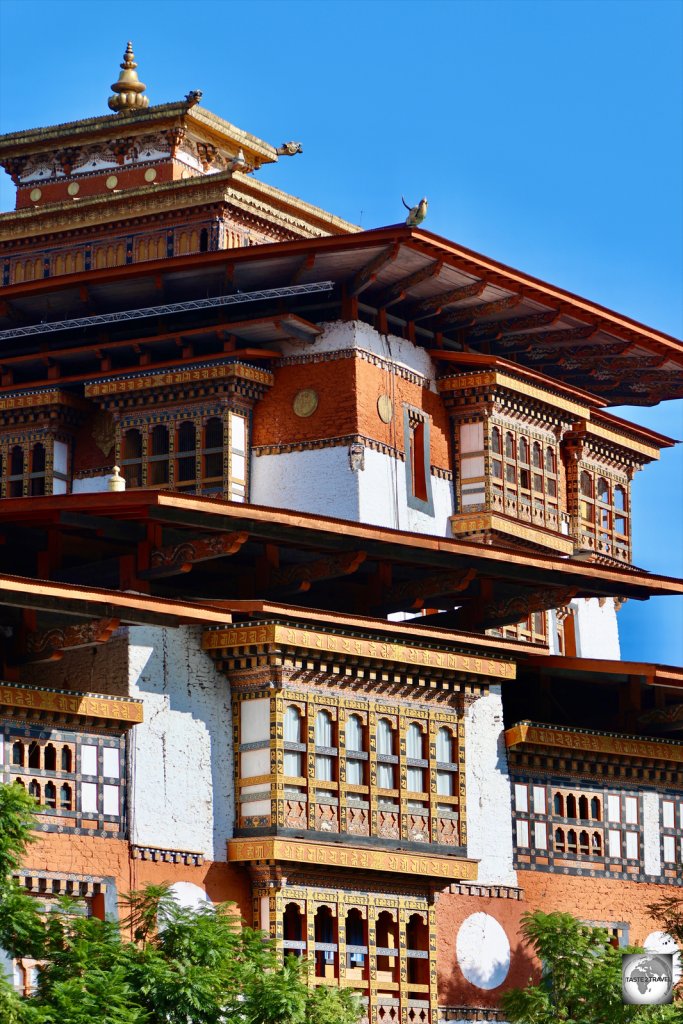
x,y
551,338
367,274
433,305
307,263
461,318
549,354
396,292
498,328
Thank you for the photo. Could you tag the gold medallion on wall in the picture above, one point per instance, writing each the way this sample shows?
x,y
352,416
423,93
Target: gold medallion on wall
x,y
305,402
385,408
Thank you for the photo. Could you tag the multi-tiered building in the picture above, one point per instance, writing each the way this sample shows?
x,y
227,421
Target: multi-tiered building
x,y
345,648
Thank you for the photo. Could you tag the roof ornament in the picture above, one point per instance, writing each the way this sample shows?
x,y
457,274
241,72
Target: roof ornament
x,y
416,214
289,149
116,482
128,90
193,97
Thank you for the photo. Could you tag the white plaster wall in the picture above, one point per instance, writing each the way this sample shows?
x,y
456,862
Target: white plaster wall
x,y
90,484
181,793
340,335
383,499
652,855
489,800
597,633
322,482
319,481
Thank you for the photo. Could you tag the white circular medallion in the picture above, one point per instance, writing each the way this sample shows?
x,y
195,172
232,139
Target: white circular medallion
x,y
36,194
73,188
483,951
150,174
112,181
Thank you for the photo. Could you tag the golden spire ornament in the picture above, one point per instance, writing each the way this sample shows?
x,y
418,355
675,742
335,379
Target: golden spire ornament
x,y
128,90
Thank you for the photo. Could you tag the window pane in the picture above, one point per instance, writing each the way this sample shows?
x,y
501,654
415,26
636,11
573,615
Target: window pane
x,y
292,724
238,433
354,733
110,799
668,813
414,741
445,783
472,437
614,842
631,806
385,776
354,773
88,760
613,808
522,833
521,801
669,849
444,746
110,762
292,764
539,800
540,835
323,729
632,845
89,797
415,780
384,737
323,767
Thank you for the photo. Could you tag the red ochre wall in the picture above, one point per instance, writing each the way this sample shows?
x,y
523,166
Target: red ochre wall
x,y
348,389
590,899
110,858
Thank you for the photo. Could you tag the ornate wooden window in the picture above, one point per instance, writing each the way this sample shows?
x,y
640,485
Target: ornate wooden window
x,y
131,458
78,778
194,454
524,480
32,468
603,514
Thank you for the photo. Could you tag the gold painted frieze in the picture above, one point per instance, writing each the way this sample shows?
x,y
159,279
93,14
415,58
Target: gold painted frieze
x,y
356,647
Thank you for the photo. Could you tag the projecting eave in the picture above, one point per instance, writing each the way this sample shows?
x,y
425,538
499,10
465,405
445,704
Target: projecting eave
x,y
450,299
209,546
597,670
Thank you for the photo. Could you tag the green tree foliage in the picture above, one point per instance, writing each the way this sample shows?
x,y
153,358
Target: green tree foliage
x,y
580,980
182,967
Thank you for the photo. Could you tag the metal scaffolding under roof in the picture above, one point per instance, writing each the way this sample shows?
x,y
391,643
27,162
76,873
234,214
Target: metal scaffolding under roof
x,y
237,299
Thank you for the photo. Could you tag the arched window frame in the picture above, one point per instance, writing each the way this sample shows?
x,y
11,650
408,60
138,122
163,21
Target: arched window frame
x,y
293,726
325,750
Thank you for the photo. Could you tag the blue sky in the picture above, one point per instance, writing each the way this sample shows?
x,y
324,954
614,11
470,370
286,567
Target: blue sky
x,y
546,135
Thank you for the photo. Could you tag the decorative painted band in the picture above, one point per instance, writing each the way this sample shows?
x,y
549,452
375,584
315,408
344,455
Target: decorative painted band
x,y
595,742
356,647
65,702
331,855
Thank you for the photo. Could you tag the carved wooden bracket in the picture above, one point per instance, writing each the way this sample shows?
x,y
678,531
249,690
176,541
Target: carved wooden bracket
x,y
414,594
179,558
43,646
300,578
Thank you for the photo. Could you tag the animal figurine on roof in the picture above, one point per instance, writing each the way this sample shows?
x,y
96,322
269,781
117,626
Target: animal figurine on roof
x,y
416,214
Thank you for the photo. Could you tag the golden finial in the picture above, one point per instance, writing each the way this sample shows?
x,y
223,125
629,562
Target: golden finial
x,y
128,90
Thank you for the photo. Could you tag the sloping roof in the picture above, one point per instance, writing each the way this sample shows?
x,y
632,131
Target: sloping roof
x,y
455,300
